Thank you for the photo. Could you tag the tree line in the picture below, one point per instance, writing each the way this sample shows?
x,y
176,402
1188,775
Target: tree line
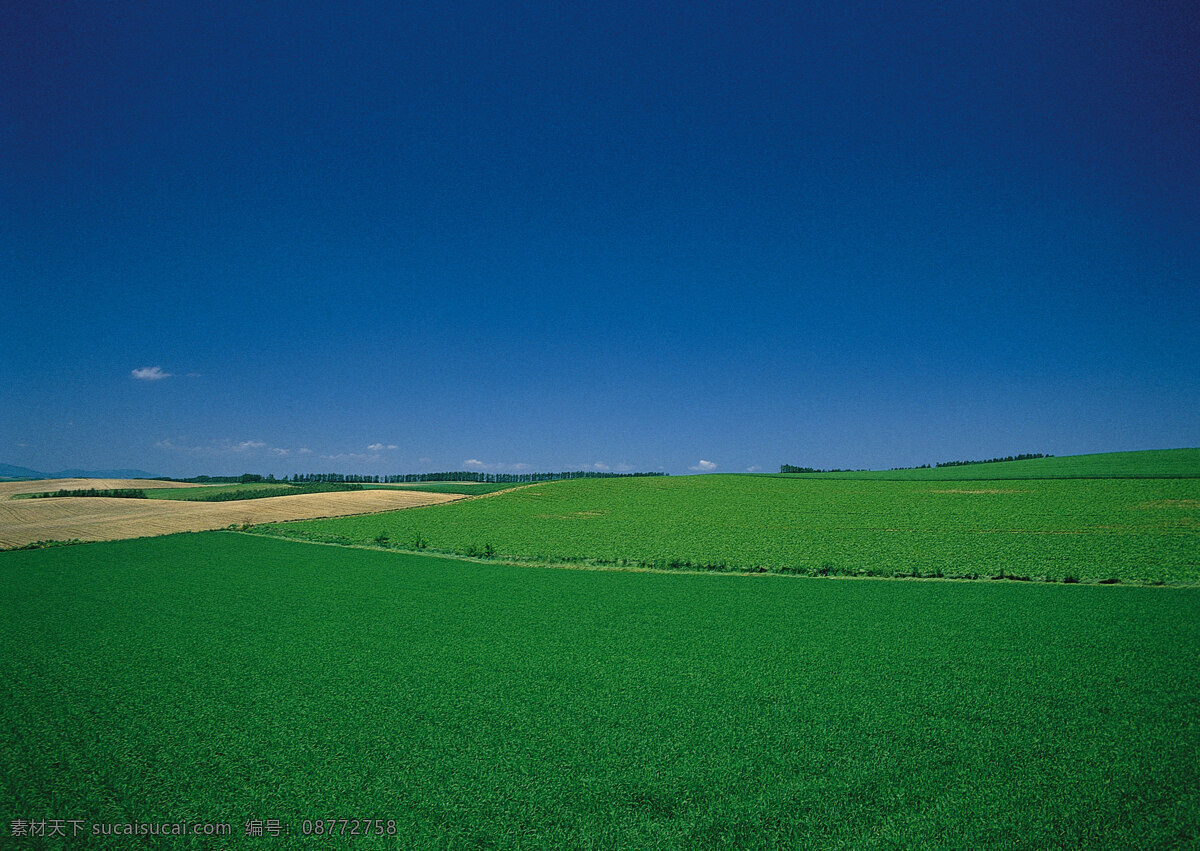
x,y
463,476
119,493
1028,456
243,479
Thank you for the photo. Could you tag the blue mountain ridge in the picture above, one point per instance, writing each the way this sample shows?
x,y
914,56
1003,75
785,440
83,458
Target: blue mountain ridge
x,y
11,471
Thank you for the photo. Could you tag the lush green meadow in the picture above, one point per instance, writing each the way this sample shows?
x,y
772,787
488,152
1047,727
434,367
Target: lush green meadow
x,y
225,677
1142,530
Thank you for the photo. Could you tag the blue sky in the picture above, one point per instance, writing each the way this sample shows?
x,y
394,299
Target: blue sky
x,y
402,237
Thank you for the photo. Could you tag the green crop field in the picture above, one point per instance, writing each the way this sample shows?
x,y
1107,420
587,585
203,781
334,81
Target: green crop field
x,y
225,677
1097,529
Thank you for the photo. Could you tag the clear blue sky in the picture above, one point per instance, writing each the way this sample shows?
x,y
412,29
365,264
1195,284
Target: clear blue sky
x,y
393,237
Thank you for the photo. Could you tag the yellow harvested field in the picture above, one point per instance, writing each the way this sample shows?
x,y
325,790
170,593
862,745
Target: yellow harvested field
x,y
105,519
8,489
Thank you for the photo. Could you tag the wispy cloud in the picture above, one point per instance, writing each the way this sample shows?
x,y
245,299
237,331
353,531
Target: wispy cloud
x,y
149,373
352,456
704,466
378,447
753,469
476,464
221,448
601,466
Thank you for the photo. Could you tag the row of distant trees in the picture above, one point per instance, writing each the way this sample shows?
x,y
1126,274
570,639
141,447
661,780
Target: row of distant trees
x,y
464,476
1028,456
403,478
119,493
243,479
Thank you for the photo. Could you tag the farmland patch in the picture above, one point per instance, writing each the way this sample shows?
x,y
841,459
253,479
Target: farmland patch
x,y
1142,530
24,522
225,677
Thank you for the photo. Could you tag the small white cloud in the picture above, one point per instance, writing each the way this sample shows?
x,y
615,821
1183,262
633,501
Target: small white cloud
x,y
753,469
475,462
247,445
304,450
599,466
516,468
704,466
281,452
376,447
149,373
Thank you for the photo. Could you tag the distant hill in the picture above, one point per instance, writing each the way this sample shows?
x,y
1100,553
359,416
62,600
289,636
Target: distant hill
x,y
1148,464
10,471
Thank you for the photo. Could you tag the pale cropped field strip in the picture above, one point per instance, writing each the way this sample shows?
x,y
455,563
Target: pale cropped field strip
x,y
105,519
8,489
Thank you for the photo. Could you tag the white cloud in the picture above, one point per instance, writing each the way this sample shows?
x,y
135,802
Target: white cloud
x,y
425,460
599,466
704,466
281,452
220,448
498,467
351,456
377,447
304,450
149,373
753,469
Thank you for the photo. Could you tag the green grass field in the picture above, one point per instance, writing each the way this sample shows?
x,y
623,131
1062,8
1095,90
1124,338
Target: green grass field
x,y
224,677
1128,529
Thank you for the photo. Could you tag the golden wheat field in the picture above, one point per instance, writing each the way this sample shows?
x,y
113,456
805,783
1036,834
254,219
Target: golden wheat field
x,y
105,519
